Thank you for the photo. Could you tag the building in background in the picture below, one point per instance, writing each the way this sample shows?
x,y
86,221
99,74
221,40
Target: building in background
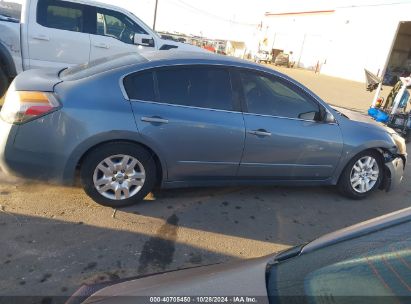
x,y
342,41
236,49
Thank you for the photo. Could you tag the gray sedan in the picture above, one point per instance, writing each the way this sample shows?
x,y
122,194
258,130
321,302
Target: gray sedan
x,y
128,123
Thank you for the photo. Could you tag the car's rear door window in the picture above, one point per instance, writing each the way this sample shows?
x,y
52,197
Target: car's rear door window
x,y
196,86
61,15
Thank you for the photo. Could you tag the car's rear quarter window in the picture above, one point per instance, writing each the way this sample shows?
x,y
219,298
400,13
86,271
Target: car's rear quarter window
x,y
140,86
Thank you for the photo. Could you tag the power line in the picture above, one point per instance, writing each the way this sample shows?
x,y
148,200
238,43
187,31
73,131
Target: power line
x,y
209,14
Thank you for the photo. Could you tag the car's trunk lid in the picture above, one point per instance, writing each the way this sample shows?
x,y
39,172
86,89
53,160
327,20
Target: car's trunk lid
x,y
38,80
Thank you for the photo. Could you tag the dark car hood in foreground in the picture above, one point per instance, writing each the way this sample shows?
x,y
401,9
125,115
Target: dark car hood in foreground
x,y
243,278
238,279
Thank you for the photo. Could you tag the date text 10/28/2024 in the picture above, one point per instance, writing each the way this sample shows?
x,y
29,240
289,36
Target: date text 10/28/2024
x,y
205,299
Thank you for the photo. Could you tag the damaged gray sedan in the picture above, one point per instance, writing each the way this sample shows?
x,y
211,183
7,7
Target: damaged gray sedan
x,y
128,123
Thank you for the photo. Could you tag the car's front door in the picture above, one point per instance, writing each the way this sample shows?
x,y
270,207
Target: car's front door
x,y
189,115
114,34
284,139
57,34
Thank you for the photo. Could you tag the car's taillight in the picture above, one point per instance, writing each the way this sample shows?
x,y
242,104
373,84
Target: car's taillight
x,y
22,106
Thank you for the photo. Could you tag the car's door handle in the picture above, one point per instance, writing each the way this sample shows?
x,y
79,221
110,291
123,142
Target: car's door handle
x,y
41,37
102,45
154,119
260,132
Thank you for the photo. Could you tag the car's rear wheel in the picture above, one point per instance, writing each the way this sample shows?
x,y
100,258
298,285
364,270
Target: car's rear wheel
x,y
118,174
362,175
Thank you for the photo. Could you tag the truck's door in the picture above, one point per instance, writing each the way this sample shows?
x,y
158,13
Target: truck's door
x,y
57,34
114,34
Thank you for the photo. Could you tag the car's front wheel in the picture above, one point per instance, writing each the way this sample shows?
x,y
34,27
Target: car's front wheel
x,y
362,175
118,174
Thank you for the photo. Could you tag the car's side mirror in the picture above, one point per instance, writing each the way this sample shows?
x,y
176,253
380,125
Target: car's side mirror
x,y
143,40
328,117
313,115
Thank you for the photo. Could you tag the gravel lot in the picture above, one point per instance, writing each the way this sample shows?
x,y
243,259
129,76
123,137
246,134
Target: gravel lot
x,y
53,239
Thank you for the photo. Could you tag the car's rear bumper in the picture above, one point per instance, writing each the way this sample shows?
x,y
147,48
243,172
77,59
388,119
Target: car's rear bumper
x,y
24,162
394,173
7,135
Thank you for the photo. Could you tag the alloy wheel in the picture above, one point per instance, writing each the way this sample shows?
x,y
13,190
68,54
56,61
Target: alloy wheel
x,y
364,174
119,177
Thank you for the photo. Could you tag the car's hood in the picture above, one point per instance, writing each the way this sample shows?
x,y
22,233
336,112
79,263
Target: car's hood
x,y
363,118
244,278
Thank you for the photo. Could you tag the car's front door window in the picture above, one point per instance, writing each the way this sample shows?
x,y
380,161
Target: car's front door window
x,y
267,95
118,26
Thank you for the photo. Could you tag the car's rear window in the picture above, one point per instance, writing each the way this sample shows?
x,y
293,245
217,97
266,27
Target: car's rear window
x,y
101,65
11,9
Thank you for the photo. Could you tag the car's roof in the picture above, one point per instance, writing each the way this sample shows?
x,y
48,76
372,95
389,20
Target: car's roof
x,y
173,57
130,61
186,55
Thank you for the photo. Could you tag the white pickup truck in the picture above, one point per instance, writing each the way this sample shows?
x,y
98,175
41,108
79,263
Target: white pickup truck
x,y
57,33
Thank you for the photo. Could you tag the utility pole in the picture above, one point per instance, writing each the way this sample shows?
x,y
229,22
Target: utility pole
x,y
155,16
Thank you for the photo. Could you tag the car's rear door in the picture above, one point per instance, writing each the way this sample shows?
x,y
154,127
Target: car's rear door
x,y
283,139
57,34
190,115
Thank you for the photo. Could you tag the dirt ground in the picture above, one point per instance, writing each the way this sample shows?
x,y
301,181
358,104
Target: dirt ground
x,y
335,91
54,239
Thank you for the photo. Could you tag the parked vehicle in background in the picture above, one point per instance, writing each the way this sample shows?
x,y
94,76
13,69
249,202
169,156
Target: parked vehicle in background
x,y
282,59
180,119
263,56
364,263
57,34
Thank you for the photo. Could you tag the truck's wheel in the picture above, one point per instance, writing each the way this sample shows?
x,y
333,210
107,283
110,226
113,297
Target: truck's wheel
x,y
4,82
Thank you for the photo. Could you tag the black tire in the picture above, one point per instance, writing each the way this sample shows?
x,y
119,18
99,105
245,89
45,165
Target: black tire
x,y
96,156
344,185
4,82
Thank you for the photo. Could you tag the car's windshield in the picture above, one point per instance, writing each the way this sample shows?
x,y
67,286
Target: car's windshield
x,y
378,264
100,65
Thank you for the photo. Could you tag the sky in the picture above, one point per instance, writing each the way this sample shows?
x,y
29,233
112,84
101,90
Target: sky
x,y
223,19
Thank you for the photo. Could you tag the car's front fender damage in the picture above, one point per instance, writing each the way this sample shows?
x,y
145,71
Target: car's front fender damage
x,y
394,166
